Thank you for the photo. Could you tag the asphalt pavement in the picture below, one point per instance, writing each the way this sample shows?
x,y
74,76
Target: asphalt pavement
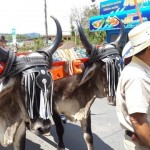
x,y
107,132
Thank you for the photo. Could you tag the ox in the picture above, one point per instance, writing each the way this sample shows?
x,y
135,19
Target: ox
x,y
24,96
74,95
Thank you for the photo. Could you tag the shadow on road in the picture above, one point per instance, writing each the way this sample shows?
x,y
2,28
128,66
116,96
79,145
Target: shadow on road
x,y
29,146
73,138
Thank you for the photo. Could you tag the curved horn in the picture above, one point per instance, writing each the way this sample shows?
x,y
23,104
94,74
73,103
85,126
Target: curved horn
x,y
58,38
120,36
83,38
53,47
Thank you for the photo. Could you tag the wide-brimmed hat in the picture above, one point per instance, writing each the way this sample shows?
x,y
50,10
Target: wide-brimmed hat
x,y
139,39
2,38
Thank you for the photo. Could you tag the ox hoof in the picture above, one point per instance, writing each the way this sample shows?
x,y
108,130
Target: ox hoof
x,y
63,118
111,100
112,103
47,134
61,148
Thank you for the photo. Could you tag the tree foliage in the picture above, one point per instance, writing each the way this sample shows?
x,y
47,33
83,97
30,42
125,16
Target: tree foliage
x,y
83,15
8,37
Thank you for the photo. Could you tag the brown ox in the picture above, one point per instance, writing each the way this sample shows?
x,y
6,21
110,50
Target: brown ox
x,y
74,95
20,83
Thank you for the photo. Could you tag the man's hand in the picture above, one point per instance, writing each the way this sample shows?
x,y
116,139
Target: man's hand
x,y
136,139
142,129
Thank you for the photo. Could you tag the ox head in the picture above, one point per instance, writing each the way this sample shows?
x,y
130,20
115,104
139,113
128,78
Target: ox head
x,y
34,79
108,55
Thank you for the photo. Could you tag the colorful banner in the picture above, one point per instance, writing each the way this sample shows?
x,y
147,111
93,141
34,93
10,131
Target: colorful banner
x,y
124,10
113,6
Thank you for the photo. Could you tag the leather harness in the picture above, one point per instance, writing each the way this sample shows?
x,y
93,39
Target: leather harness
x,y
111,58
35,72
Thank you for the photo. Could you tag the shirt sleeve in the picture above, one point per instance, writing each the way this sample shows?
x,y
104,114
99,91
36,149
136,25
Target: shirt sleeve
x,y
137,96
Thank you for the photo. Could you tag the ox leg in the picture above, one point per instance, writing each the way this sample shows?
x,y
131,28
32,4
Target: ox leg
x,y
20,137
59,130
87,132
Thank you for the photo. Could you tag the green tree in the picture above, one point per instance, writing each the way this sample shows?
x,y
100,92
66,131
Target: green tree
x,y
83,15
39,43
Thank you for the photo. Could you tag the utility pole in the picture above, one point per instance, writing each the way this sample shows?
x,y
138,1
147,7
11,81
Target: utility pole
x,y
46,27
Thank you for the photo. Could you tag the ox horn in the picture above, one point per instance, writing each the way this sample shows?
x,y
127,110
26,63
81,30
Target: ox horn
x,y
88,46
83,38
121,34
52,48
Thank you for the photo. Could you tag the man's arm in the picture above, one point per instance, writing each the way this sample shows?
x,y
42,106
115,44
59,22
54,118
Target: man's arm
x,y
141,127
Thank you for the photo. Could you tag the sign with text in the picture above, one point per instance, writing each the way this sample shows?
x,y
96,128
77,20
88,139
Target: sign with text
x,y
13,31
122,9
14,35
111,6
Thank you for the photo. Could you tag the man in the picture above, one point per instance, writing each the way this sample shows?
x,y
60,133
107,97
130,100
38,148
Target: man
x,y
133,91
2,42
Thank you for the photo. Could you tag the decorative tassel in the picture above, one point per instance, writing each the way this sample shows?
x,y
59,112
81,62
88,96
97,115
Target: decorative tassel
x,y
42,104
51,96
29,82
112,75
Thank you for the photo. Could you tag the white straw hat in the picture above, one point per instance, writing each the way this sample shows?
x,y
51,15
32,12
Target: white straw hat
x,y
139,39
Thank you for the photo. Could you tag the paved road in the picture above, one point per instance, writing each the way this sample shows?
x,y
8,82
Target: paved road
x,y
106,132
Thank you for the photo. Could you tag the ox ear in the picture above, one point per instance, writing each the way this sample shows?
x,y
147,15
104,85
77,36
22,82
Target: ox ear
x,y
6,86
88,73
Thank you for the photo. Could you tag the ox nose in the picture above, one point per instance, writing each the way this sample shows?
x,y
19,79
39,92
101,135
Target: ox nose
x,y
45,128
40,126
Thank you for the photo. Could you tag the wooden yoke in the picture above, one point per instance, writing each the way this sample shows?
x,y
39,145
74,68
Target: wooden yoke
x,y
58,70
